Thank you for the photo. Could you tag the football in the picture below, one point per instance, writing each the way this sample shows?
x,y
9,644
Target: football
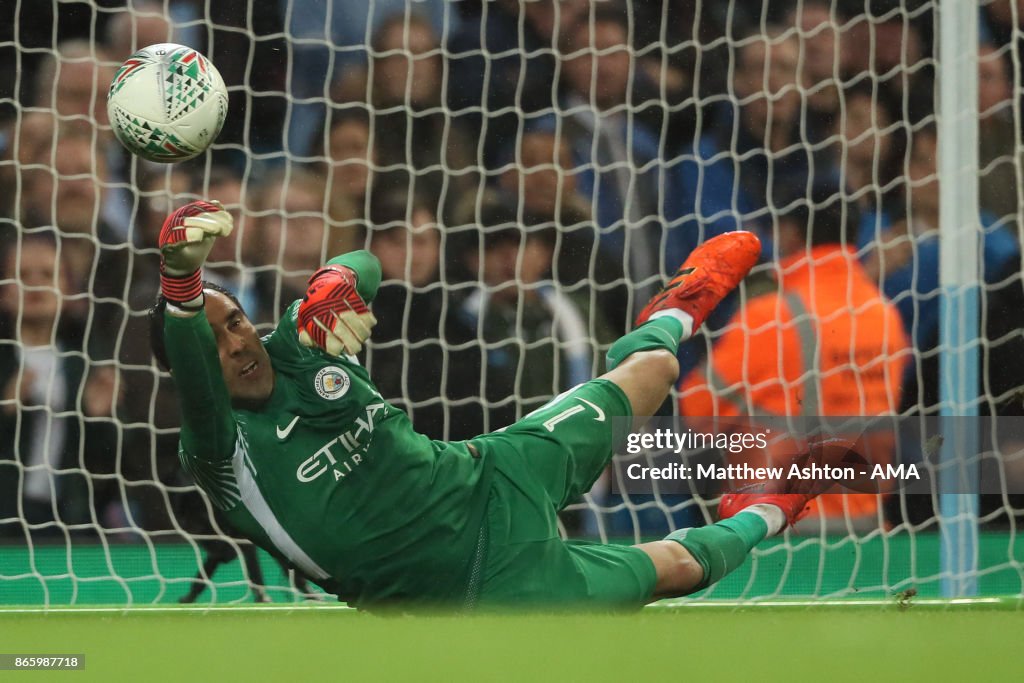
x,y
167,103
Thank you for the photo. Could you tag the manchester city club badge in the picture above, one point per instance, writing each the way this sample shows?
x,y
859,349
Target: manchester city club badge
x,y
332,382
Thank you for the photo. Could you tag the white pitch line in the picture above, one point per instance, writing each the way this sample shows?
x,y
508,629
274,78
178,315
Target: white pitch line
x,y
176,610
873,602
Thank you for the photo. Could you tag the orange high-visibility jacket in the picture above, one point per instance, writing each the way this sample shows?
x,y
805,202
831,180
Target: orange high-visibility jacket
x,y
827,343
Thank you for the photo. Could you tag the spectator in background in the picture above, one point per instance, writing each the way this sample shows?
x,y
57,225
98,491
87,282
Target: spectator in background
x,y
351,160
744,171
541,179
904,258
292,237
999,19
541,336
888,46
29,138
68,194
609,148
247,43
683,65
818,66
73,82
757,150
504,61
537,337
328,40
827,334
1000,25
636,199
67,185
541,183
143,23
415,144
423,359
51,459
868,158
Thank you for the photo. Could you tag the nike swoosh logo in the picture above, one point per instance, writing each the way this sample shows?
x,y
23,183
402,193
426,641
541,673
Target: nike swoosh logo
x,y
600,413
283,433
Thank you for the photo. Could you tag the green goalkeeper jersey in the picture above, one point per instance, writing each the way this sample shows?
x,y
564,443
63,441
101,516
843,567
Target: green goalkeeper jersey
x,y
328,475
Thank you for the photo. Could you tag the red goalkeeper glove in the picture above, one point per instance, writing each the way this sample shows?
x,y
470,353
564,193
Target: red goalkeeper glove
x,y
332,315
185,242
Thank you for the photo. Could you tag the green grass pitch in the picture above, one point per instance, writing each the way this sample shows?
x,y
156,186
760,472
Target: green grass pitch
x,y
930,640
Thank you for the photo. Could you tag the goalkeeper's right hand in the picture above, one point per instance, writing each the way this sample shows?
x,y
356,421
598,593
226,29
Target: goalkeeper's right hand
x,y
332,315
185,241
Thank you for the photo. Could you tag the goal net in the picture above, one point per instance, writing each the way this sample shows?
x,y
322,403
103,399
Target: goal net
x,y
529,173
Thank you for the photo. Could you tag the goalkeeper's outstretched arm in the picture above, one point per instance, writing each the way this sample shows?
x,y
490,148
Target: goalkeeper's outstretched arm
x,y
208,427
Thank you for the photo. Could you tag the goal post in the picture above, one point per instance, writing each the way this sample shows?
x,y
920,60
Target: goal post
x,y
528,171
960,274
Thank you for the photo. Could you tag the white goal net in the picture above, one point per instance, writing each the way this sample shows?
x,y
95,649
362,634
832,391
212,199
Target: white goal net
x,y
529,173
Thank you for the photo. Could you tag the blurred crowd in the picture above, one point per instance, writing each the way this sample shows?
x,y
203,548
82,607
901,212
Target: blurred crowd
x,y
527,172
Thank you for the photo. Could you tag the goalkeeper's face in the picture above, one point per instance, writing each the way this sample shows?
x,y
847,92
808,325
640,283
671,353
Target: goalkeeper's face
x,y
243,360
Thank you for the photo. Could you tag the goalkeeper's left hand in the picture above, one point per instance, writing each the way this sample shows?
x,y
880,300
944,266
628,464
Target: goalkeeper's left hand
x,y
332,315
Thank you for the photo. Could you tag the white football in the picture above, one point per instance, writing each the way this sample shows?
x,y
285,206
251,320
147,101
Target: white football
x,y
167,103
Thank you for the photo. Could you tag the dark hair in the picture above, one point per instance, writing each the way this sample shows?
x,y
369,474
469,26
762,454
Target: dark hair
x,y
879,96
337,116
607,13
392,206
499,222
827,217
156,323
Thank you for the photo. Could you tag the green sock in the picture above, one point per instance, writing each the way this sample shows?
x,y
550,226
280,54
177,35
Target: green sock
x,y
660,333
720,548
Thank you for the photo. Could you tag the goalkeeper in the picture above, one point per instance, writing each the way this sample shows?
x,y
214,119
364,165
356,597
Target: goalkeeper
x,y
290,438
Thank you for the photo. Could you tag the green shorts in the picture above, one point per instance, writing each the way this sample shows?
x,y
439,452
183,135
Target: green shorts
x,y
542,463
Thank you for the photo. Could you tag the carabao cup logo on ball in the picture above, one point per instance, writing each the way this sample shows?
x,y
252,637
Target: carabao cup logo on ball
x,y
332,382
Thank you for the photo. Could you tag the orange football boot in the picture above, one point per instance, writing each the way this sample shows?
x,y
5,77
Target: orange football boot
x,y
712,270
